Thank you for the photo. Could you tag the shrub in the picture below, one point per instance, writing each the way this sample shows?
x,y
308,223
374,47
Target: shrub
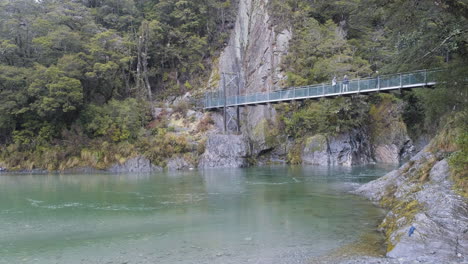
x,y
459,165
181,108
326,117
163,146
205,123
116,120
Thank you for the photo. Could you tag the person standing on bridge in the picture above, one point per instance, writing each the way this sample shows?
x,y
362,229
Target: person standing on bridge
x,y
345,83
334,84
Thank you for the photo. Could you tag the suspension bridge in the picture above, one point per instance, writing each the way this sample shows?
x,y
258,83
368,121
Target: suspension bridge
x,y
384,83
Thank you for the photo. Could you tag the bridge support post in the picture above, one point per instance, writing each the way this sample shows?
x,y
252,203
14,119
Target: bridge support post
x,y
378,83
237,100
225,104
425,78
229,81
401,82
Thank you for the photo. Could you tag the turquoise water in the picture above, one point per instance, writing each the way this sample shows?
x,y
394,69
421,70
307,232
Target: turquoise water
x,y
257,215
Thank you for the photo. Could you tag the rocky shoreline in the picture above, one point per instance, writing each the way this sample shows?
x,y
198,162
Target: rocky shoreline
x,y
427,221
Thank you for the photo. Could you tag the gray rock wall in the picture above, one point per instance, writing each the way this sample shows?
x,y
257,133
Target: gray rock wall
x,y
225,151
138,164
178,163
254,52
438,214
391,143
346,149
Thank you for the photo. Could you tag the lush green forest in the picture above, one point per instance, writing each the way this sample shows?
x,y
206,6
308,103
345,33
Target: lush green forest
x,y
84,72
60,59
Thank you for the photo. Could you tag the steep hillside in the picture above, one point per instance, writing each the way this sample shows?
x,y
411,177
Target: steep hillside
x,y
92,83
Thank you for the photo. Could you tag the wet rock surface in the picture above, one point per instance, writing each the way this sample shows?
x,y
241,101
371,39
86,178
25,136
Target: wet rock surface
x,y
137,164
225,151
427,221
178,163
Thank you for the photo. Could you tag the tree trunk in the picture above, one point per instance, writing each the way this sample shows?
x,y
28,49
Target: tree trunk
x,y
145,62
139,79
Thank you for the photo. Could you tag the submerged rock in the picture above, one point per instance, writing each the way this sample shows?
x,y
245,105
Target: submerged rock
x,y
137,164
420,198
225,151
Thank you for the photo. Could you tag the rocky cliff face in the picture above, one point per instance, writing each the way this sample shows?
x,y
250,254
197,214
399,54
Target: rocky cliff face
x,y
255,49
353,148
254,53
391,143
427,221
225,151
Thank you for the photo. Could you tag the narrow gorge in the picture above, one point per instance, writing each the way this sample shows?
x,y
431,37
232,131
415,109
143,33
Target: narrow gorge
x,y
110,152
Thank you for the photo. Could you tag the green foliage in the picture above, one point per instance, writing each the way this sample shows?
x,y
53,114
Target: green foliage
x,y
326,117
414,115
459,164
59,57
449,97
386,124
55,93
68,61
180,36
321,47
162,146
319,52
97,154
458,126
294,156
117,120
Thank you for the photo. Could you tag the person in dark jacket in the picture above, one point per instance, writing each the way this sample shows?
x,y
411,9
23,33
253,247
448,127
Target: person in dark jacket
x,y
345,83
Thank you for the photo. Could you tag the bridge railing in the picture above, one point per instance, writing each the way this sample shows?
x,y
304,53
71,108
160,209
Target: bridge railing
x,y
391,81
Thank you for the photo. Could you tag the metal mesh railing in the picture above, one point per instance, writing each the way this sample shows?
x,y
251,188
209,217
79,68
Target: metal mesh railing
x,y
385,82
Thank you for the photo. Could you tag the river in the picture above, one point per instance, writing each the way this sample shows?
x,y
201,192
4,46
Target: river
x,y
256,215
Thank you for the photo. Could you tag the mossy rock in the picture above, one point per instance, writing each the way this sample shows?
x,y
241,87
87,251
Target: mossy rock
x,y
316,143
265,134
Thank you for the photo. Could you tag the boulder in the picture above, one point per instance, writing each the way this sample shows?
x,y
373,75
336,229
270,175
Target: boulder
x,y
315,151
137,164
352,148
346,149
225,151
178,163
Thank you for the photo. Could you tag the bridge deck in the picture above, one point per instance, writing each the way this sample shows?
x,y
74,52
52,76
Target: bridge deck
x,y
418,79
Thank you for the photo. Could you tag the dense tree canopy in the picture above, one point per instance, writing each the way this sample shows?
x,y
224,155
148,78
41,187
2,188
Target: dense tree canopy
x,y
62,60
59,56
